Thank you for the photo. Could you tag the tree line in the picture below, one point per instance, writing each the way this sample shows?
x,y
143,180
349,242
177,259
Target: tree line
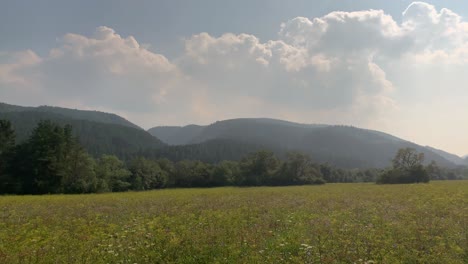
x,y
52,160
407,167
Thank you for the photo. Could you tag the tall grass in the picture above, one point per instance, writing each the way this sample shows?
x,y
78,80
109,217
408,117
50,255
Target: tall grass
x,y
335,223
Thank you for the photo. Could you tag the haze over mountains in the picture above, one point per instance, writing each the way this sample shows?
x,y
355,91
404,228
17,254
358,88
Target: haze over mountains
x,y
449,156
342,146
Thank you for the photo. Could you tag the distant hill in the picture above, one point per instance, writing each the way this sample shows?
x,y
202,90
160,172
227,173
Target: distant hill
x,y
97,137
94,116
449,156
173,135
211,151
228,129
103,133
350,146
343,146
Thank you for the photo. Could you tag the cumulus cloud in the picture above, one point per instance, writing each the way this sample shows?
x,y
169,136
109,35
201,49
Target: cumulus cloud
x,y
313,67
104,70
12,63
363,32
434,30
345,67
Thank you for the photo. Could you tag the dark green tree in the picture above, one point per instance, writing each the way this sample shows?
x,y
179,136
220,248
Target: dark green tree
x,y
298,169
7,145
7,137
407,168
226,173
407,158
258,168
52,161
43,158
147,174
112,174
192,174
434,171
80,176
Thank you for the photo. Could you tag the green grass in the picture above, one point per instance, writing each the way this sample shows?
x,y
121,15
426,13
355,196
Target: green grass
x,y
335,223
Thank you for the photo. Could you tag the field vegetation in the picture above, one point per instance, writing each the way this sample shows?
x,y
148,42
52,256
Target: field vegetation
x,y
333,223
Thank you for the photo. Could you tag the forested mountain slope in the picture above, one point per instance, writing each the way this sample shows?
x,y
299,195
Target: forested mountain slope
x,y
211,151
449,156
102,133
94,116
97,138
343,146
174,135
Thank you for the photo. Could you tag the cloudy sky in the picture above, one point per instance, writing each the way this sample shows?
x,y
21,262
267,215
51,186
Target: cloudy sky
x,y
396,66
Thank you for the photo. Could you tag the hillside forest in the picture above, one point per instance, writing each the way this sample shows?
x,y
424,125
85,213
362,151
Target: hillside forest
x,y
52,160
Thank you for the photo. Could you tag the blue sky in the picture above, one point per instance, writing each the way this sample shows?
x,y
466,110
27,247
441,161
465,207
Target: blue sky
x,y
172,62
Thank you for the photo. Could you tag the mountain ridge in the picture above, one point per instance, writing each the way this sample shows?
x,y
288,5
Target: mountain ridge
x,y
106,133
345,146
100,133
449,156
90,115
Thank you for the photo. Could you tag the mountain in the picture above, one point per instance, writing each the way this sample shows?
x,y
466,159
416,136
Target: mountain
x,y
349,147
103,133
173,135
94,116
448,156
343,146
231,129
211,151
112,135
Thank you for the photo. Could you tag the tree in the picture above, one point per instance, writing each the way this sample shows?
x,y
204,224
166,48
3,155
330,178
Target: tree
x,y
407,158
298,169
7,137
147,174
181,174
7,145
112,174
192,174
80,176
327,171
51,161
407,168
258,168
227,173
40,162
434,171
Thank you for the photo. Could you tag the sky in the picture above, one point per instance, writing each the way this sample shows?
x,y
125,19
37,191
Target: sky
x,y
395,66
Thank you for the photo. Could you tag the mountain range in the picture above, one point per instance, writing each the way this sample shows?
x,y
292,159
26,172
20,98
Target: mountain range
x,y
342,146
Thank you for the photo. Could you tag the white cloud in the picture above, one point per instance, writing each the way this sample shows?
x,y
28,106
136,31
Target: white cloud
x,y
433,30
104,70
11,63
308,69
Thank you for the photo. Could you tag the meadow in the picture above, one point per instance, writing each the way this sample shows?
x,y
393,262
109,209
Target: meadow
x,y
334,223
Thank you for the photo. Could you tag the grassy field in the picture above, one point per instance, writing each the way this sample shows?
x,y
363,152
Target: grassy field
x,y
335,223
